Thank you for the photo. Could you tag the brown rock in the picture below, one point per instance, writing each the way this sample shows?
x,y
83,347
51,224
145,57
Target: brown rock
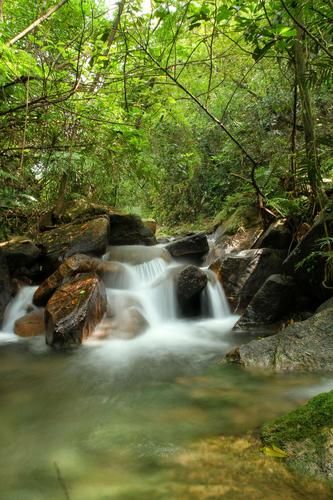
x,y
151,224
30,325
128,325
129,230
75,264
88,237
74,310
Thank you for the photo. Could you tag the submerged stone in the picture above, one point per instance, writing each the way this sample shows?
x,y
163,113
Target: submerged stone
x,y
30,325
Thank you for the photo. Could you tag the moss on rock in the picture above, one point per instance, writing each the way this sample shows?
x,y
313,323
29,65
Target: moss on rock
x,y
306,434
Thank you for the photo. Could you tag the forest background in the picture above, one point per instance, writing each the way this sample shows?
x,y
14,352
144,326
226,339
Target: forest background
x,y
184,111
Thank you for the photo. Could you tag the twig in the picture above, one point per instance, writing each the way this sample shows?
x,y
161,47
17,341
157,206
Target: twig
x,y
61,481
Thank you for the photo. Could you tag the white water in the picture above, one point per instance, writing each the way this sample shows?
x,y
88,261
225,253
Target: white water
x,y
143,317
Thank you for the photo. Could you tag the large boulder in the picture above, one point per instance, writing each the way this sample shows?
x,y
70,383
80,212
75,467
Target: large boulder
x,y
278,236
129,230
306,346
31,324
90,237
5,286
190,283
273,300
306,437
307,263
195,245
76,264
20,252
225,243
243,273
74,310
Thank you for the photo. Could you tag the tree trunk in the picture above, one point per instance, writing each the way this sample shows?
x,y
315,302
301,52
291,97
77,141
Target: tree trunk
x,y
60,203
312,162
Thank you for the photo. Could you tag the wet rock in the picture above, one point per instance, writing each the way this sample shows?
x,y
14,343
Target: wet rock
x,y
278,236
20,252
225,243
306,437
30,325
5,286
273,300
129,230
74,310
195,245
151,224
129,324
90,237
136,254
78,263
305,346
243,273
190,283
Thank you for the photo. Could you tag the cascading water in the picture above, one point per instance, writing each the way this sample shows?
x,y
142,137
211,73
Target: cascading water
x,y
143,315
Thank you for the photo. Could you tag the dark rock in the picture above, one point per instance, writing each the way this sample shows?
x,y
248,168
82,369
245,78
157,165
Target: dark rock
x,y
74,310
129,230
75,264
225,243
30,325
311,275
90,237
194,245
151,224
325,305
20,253
303,346
243,273
190,283
278,236
273,300
5,286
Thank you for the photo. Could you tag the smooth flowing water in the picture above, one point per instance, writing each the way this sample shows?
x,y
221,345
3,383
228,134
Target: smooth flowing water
x,y
143,417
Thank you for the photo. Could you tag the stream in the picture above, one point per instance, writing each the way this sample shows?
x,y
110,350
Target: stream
x,y
121,418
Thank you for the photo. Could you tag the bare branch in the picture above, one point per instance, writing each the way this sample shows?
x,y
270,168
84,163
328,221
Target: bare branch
x,y
36,23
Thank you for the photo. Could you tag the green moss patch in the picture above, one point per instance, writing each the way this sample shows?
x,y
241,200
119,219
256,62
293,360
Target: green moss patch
x,y
304,423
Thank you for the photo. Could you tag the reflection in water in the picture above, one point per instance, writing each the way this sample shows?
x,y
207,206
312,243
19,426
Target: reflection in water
x,y
124,428
152,417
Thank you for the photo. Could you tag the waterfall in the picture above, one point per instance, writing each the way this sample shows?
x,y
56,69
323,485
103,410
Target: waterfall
x,y
143,306
18,307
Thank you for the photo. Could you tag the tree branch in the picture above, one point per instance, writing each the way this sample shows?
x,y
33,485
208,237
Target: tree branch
x,y
36,23
305,30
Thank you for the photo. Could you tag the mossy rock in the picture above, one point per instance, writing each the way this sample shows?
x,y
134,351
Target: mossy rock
x,y
306,435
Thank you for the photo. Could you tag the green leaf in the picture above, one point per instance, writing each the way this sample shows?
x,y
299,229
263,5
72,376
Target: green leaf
x,y
274,451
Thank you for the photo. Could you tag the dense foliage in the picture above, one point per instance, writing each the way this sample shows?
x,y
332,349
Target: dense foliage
x,y
188,109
